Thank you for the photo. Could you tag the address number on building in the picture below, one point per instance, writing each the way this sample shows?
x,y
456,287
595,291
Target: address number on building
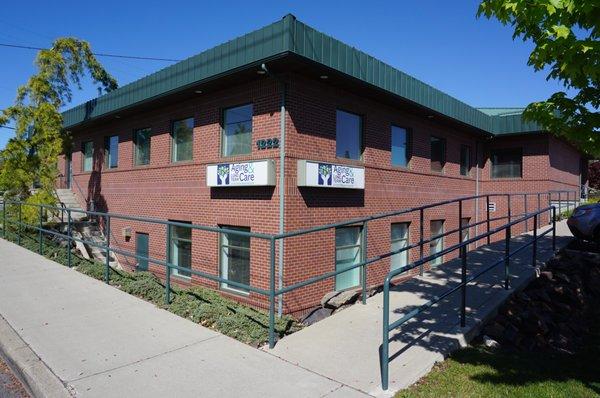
x,y
269,143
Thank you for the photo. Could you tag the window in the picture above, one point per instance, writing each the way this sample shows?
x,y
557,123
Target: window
x,y
235,258
237,131
181,249
348,251
348,135
436,245
141,149
400,154
111,151
465,160
399,241
183,138
438,153
507,163
88,155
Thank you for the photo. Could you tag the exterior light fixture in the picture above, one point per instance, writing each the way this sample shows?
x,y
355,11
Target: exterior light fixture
x,y
261,72
429,116
198,91
117,117
324,77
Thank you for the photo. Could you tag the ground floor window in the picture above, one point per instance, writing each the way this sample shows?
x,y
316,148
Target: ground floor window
x,y
437,241
399,241
348,251
235,258
181,249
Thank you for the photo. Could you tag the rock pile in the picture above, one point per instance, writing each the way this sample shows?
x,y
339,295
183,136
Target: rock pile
x,y
550,314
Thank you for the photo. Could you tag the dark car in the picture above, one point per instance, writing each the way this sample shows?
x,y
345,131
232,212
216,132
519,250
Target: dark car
x,y
585,222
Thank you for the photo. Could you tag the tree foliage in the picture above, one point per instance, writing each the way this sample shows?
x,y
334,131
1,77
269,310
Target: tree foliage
x,y
31,157
565,36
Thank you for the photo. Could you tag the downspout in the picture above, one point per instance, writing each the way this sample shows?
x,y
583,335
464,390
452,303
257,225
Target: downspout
x,y
282,112
477,191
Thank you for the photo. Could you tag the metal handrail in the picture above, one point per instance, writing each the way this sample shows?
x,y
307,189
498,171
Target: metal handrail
x,y
272,292
387,327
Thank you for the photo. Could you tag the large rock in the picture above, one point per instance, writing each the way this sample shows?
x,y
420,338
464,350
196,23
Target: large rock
x,y
337,299
316,316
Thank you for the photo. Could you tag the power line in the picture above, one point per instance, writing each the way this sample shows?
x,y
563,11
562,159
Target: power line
x,y
97,54
7,127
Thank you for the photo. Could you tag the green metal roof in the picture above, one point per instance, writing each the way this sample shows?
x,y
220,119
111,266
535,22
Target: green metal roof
x,y
290,36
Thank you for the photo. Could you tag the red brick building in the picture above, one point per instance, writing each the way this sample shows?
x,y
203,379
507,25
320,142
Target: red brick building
x,y
202,142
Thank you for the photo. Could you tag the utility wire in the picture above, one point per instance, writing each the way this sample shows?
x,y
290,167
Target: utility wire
x,y
97,54
7,127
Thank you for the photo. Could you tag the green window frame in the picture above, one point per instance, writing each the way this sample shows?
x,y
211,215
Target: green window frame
x,y
465,160
348,135
234,258
236,133
507,163
141,146
182,138
436,245
399,239
348,251
400,146
437,153
87,158
180,249
111,151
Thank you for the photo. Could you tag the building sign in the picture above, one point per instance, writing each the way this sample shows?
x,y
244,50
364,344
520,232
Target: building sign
x,y
246,174
329,175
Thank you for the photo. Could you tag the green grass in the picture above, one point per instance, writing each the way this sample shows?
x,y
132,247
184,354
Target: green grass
x,y
201,305
480,372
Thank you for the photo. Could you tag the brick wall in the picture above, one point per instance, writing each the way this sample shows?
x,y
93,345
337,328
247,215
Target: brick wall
x,y
177,191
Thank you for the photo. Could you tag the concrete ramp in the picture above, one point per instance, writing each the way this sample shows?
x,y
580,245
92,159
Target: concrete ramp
x,y
345,347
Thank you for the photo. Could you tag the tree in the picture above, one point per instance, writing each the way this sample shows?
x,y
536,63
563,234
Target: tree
x,y
31,157
565,36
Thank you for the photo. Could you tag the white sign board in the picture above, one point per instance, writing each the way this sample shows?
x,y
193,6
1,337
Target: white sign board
x,y
258,173
329,175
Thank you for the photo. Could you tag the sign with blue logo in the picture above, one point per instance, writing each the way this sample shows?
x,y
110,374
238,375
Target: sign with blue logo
x,y
330,175
257,173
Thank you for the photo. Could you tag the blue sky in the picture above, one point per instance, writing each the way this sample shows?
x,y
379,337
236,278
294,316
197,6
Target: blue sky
x,y
439,42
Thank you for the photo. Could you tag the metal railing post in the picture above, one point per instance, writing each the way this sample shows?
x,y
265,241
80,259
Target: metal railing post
x,y
460,217
107,266
554,229
508,206
69,239
4,219
559,203
385,342
421,229
535,238
167,267
272,296
507,258
40,235
463,310
487,199
20,225
539,201
363,269
525,211
549,204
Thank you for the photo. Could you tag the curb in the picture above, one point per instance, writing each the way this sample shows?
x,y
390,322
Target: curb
x,y
36,376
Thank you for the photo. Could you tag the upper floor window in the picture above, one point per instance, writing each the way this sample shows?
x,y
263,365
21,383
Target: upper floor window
x,y
183,139
237,131
400,154
507,163
438,153
465,160
88,155
348,135
141,149
111,151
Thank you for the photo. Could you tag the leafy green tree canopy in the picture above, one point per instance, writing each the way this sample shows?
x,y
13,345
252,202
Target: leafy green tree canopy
x,y
31,157
565,37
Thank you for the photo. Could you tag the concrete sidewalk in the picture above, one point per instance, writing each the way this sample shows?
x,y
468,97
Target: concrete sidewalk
x,y
345,347
71,334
